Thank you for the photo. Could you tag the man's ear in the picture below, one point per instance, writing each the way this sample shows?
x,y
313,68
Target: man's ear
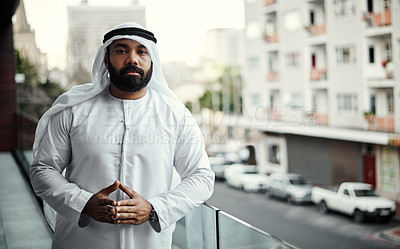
x,y
106,59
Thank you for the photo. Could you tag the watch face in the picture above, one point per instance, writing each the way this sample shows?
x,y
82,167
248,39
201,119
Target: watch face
x,y
153,216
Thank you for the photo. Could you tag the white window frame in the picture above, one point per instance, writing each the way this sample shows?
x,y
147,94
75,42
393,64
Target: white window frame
x,y
347,103
344,9
341,59
253,63
292,60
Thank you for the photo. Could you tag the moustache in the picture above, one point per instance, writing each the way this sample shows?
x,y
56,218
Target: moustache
x,y
131,68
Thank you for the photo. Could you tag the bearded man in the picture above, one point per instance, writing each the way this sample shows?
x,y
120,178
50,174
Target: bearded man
x,y
121,159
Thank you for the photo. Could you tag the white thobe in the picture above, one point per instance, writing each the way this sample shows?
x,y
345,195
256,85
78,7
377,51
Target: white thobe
x,y
139,142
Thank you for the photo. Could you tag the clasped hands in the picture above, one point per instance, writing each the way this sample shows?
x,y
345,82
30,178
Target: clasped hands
x,y
135,210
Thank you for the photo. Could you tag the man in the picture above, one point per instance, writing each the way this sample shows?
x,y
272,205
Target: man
x,y
120,142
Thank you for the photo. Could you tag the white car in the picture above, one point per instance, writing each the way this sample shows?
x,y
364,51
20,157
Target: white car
x,y
294,188
356,199
218,165
245,177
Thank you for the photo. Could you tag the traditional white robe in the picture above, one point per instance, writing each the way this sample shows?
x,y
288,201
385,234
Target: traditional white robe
x,y
139,142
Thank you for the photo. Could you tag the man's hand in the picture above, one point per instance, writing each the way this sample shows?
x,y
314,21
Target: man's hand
x,y
135,210
100,207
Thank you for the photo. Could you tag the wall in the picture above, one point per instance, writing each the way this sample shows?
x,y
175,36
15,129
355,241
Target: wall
x,y
8,104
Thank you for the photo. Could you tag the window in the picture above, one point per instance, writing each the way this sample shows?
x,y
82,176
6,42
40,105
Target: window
x,y
255,99
347,103
344,8
398,46
371,54
388,51
372,103
390,102
274,154
292,60
253,63
271,101
345,55
295,101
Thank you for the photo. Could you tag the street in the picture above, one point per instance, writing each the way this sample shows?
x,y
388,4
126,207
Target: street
x,y
300,225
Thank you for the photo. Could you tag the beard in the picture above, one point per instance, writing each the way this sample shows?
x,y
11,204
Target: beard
x,y
129,83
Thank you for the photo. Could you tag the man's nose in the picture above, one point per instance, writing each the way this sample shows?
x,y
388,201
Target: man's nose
x,y
133,58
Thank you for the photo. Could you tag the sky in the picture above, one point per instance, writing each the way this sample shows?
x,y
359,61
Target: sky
x,y
179,25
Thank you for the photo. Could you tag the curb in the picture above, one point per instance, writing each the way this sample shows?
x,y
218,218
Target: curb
x,y
392,235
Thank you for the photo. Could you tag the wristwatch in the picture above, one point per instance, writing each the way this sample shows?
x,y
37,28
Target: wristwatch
x,y
153,215
154,222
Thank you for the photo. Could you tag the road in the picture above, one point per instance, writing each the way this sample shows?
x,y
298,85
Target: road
x,y
300,225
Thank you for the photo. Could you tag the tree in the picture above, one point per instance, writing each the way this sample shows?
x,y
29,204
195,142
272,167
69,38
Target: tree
x,y
34,97
224,94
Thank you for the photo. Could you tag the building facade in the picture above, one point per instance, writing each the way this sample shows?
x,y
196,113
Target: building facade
x,y
25,41
320,81
86,27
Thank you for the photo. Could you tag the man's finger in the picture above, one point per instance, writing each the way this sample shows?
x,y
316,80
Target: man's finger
x,y
111,188
107,202
130,192
127,221
128,202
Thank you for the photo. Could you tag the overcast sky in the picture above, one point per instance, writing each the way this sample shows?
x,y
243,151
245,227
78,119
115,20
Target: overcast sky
x,y
179,25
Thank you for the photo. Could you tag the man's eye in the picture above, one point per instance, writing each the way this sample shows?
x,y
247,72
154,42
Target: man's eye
x,y
143,52
120,51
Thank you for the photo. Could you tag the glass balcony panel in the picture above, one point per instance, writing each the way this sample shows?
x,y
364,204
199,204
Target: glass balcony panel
x,y
197,230
235,234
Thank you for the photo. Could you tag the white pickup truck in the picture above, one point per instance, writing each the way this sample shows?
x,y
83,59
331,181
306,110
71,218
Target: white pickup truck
x,y
356,199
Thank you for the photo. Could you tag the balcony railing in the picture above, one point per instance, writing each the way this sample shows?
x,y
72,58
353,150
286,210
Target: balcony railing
x,y
380,123
316,29
208,227
269,2
317,74
322,119
378,19
271,38
272,76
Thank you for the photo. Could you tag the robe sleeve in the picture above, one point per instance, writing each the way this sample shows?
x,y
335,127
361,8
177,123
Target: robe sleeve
x,y
51,158
197,178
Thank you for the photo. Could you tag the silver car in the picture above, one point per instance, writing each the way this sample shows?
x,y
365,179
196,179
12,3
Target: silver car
x,y
294,188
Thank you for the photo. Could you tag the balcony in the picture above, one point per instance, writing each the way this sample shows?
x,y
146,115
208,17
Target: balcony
x,y
272,76
271,38
208,227
322,119
378,19
203,227
316,29
318,74
269,2
380,123
381,77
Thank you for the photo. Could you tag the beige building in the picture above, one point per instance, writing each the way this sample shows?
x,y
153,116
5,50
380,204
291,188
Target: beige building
x,y
87,25
24,40
320,84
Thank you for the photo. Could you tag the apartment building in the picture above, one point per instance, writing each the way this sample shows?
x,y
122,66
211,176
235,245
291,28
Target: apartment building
x,y
321,86
87,25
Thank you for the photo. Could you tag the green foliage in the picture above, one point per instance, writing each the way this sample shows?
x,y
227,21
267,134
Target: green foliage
x,y
24,66
206,100
228,97
34,98
189,106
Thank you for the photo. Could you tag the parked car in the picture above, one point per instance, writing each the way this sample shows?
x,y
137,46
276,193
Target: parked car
x,y
245,177
356,199
218,165
294,188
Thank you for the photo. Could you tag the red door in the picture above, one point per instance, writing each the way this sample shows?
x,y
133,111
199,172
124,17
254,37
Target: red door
x,y
369,170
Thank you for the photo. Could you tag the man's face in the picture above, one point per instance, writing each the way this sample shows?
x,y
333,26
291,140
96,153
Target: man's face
x,y
129,65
